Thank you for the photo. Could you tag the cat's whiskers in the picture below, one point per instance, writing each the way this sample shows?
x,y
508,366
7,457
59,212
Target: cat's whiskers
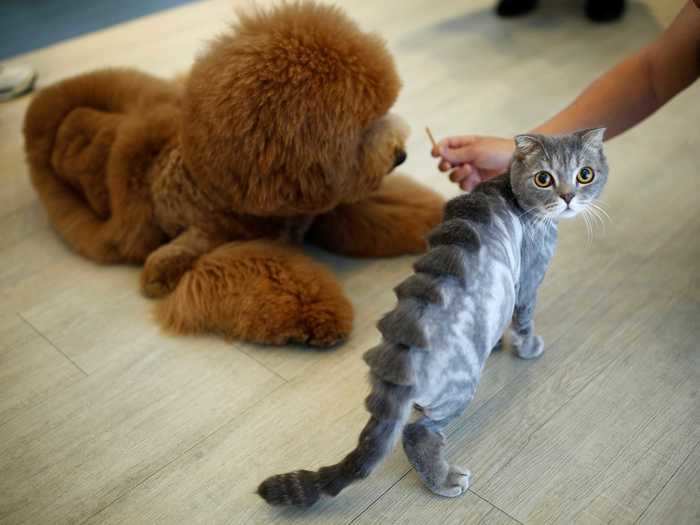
x,y
529,210
535,221
542,219
532,231
593,212
551,213
597,206
596,215
589,228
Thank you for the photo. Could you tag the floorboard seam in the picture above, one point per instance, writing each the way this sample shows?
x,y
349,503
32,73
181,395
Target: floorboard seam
x,y
495,506
675,472
182,454
262,364
51,344
378,498
555,340
559,409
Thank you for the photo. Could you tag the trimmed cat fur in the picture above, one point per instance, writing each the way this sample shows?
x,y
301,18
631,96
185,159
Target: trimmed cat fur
x,y
481,276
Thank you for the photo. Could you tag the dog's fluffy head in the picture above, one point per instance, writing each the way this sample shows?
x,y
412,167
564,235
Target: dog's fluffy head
x,y
284,115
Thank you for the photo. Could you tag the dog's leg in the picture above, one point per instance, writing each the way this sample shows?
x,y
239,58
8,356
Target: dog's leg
x,y
165,267
90,141
392,221
260,291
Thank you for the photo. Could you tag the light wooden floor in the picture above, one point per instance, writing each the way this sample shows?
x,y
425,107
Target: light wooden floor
x,y
103,419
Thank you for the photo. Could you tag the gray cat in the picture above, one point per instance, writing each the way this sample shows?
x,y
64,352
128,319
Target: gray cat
x,y
479,279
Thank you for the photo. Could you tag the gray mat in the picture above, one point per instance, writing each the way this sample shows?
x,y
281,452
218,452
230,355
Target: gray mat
x,y
26,25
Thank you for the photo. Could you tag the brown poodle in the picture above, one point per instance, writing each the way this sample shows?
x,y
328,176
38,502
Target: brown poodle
x,y
280,134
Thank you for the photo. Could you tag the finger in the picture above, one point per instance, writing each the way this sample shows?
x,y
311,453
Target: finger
x,y
435,151
460,173
456,142
462,155
445,166
466,185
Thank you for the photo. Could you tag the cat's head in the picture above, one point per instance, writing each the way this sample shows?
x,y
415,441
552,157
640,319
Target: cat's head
x,y
558,176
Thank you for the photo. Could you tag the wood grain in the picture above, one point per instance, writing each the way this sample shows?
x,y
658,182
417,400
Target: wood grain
x,y
104,419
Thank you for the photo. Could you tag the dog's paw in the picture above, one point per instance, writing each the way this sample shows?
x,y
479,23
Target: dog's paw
x,y
161,274
320,323
324,328
327,331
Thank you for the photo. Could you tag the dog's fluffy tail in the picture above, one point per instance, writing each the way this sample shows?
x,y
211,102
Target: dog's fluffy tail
x,y
389,405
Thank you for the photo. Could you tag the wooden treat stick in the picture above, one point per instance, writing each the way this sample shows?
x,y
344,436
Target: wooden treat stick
x,y
430,136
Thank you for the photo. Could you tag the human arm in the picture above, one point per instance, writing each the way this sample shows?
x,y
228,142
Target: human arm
x,y
618,100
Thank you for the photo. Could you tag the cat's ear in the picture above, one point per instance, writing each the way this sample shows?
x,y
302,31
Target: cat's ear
x,y
527,144
593,136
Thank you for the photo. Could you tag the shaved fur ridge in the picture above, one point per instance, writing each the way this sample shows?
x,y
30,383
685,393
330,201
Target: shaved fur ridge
x,y
443,261
403,324
387,401
421,286
479,280
392,363
472,206
458,232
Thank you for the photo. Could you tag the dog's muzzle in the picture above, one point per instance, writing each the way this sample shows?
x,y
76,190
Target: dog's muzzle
x,y
399,157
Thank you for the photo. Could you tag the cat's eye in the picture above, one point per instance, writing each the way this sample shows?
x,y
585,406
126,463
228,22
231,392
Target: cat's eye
x,y
544,179
585,175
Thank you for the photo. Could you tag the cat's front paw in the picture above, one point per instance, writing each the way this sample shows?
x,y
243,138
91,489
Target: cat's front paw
x,y
531,347
456,483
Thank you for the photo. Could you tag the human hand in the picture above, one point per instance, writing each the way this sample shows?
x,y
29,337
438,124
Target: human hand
x,y
471,159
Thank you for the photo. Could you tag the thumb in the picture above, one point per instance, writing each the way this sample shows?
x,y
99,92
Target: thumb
x,y
486,174
471,182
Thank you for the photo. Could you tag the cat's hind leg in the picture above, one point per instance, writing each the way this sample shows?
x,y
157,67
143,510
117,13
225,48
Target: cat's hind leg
x,y
524,342
523,339
424,444
527,345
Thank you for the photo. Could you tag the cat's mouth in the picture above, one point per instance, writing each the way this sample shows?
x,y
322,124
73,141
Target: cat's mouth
x,y
568,213
561,211
570,208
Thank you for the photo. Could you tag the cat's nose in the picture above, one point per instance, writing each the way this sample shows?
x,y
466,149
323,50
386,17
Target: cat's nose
x,y
567,197
399,157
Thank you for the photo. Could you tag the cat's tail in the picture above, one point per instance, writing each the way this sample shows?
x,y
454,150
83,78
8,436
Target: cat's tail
x,y
393,374
389,405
